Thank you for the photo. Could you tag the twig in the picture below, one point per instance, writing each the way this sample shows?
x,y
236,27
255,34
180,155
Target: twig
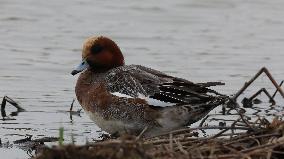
x,y
274,94
204,128
171,142
166,140
141,133
262,146
247,84
278,152
180,147
28,138
236,151
12,102
245,121
203,120
223,131
71,106
267,94
71,112
258,136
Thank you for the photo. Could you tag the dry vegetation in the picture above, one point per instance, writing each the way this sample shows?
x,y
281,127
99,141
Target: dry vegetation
x,y
258,139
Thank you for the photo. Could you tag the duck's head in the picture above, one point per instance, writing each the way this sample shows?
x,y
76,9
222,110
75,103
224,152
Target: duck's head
x,y
100,54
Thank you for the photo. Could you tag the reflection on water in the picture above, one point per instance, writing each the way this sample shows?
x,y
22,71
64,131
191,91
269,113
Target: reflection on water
x,y
201,40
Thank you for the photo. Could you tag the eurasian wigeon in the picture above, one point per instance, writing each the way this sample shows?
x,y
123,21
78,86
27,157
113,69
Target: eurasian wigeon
x,y
129,98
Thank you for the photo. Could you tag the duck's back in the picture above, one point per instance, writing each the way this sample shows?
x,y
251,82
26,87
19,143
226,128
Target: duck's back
x,y
138,81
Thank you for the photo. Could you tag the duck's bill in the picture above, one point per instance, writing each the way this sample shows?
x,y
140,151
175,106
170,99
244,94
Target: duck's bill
x,y
81,67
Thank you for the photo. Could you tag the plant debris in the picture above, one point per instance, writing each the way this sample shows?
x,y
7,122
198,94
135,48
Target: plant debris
x,y
126,147
258,139
248,102
13,103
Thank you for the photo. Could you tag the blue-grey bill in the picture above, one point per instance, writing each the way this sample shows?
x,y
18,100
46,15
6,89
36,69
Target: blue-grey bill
x,y
81,67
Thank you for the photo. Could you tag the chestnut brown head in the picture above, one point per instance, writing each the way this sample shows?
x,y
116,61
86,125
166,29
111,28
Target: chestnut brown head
x,y
100,54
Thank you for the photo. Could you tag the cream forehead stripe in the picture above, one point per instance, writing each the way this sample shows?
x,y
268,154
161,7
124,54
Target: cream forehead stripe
x,y
88,43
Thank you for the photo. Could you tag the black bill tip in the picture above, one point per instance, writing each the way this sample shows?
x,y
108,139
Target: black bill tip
x,y
74,72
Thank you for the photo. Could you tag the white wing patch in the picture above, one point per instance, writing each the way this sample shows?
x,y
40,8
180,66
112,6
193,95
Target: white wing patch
x,y
121,95
150,101
156,102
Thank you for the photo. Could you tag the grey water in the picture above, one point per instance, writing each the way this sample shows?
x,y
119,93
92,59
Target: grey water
x,y
199,40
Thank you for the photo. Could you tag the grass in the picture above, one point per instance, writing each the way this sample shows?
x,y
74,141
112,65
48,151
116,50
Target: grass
x,y
61,136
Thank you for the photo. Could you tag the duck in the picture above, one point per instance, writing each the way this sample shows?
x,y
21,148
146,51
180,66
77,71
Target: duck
x,y
130,99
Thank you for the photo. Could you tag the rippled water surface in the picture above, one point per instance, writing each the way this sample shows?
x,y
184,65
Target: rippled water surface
x,y
201,40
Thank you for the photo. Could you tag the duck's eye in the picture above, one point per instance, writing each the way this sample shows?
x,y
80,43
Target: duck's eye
x,y
96,49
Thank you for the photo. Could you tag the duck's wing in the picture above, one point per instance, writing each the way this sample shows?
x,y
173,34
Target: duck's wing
x,y
158,89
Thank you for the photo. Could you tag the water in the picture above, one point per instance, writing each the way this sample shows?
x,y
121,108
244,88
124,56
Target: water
x,y
200,40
